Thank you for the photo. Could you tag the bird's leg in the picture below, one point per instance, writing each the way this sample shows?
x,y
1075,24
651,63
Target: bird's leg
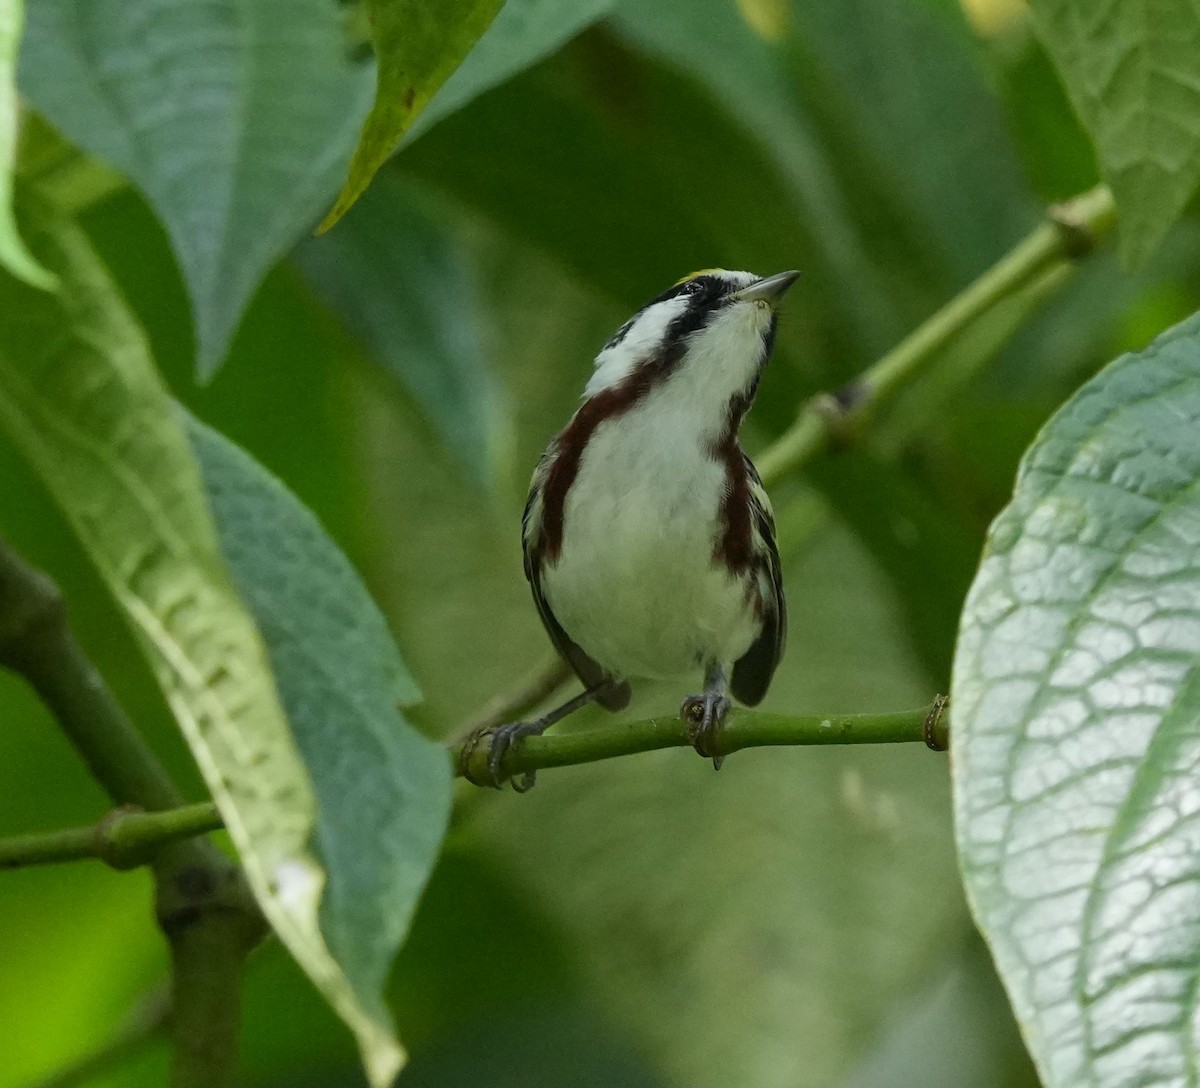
x,y
501,739
704,713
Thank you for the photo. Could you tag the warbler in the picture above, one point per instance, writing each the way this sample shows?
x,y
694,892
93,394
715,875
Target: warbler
x,y
649,540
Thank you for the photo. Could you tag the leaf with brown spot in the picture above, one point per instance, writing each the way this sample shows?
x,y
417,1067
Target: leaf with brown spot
x,y
418,45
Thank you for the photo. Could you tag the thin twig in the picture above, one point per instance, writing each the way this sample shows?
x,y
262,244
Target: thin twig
x,y
37,644
1069,233
741,729
126,838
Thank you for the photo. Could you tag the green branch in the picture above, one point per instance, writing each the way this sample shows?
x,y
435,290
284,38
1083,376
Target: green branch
x,y
741,729
1069,233
37,644
126,838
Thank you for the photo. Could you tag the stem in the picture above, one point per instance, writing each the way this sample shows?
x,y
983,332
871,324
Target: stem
x,y
203,903
741,729
36,643
1070,232
126,838
208,954
960,361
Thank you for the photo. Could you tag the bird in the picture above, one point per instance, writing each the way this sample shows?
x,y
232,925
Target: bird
x,y
648,537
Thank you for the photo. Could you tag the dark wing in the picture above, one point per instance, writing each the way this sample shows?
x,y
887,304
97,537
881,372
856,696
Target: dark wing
x,y
753,671
616,695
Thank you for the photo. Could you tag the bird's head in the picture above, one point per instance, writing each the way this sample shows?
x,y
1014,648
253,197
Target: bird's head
x,y
703,341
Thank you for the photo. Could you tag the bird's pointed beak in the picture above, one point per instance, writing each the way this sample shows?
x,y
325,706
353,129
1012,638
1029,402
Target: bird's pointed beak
x,y
769,289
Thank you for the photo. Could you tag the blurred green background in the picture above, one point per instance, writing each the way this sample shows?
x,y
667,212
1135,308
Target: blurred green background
x,y
798,919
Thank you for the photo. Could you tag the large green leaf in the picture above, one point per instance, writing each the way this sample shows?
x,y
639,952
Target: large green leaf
x,y
382,789
418,45
80,395
236,118
1132,70
1076,740
398,276
13,254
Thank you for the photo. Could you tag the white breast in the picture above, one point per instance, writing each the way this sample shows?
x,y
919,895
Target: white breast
x,y
635,584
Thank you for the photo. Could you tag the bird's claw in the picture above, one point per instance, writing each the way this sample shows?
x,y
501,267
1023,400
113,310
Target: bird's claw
x,y
500,740
704,715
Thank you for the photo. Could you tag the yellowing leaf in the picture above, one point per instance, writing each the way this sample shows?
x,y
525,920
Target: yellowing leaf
x,y
418,45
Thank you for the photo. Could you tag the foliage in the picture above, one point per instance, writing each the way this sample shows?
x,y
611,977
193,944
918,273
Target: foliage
x,y
234,119
798,919
418,46
1075,685
1133,71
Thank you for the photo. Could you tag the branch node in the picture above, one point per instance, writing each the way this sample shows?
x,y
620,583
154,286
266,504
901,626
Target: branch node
x,y
935,729
201,883
836,411
476,770
1075,229
111,846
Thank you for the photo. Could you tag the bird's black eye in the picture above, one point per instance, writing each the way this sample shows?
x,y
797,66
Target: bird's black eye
x,y
692,287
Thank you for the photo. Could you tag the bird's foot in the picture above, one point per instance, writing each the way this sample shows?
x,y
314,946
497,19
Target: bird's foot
x,y
500,740
704,715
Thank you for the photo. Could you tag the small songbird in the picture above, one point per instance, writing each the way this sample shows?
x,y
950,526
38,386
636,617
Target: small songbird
x,y
649,540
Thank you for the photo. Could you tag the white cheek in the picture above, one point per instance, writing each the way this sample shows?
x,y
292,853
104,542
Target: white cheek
x,y
644,337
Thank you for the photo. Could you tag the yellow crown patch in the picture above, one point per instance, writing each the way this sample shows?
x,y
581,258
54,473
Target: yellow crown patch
x,y
693,275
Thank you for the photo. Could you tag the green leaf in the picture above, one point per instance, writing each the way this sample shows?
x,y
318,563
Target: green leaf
x,y
235,118
400,279
382,789
1076,731
1132,70
418,46
523,32
13,254
80,396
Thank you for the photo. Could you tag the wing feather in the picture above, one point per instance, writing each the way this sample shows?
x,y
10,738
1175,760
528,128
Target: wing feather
x,y
753,671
